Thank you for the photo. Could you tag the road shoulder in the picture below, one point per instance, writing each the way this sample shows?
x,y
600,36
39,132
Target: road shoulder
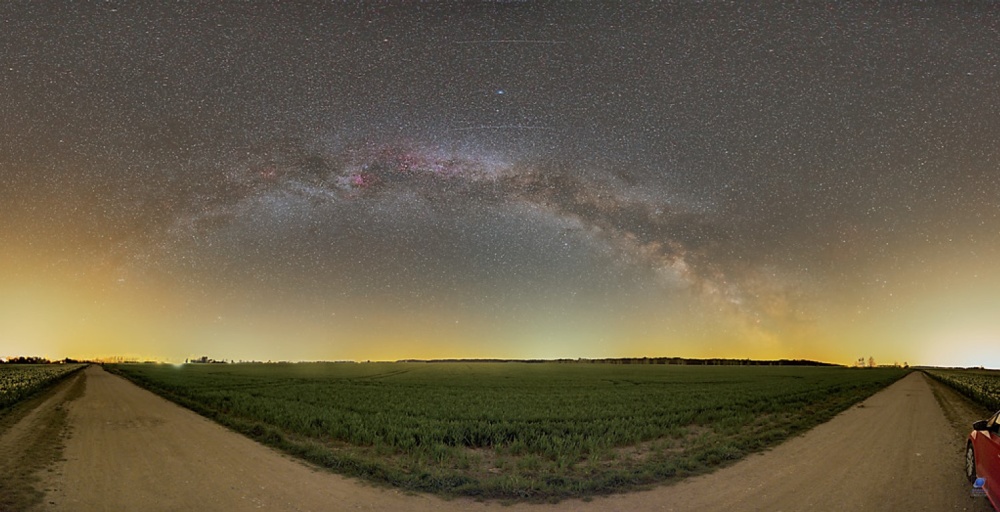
x,y
32,438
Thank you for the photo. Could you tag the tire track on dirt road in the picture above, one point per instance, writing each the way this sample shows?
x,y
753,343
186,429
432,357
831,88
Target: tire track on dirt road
x,y
132,450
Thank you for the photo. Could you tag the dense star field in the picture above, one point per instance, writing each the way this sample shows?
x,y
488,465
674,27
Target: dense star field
x,y
517,180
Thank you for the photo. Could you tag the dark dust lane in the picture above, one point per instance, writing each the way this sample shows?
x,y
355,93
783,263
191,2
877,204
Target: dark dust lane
x,y
132,450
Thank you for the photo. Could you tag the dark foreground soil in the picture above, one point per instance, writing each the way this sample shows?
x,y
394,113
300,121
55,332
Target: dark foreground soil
x,y
31,441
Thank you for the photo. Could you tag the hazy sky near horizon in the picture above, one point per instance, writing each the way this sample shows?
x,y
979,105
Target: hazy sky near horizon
x,y
500,179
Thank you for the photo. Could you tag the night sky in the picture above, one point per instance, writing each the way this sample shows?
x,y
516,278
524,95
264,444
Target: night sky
x,y
306,181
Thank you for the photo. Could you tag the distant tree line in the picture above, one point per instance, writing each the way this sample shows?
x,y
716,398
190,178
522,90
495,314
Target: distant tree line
x,y
639,360
206,360
35,360
710,362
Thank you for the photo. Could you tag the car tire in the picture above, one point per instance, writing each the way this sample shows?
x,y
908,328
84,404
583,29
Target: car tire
x,y
970,463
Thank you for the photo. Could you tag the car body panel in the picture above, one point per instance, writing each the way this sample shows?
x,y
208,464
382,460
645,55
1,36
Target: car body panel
x,y
986,446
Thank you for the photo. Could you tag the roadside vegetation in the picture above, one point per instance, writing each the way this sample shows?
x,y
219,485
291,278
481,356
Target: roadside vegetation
x,y
979,385
33,430
539,431
19,381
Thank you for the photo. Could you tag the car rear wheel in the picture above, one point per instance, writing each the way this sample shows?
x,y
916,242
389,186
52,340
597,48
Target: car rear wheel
x,y
970,463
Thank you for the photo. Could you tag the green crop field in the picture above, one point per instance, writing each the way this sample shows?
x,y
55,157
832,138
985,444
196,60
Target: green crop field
x,y
514,430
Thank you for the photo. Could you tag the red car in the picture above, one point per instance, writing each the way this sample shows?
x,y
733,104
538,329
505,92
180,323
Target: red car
x,y
982,459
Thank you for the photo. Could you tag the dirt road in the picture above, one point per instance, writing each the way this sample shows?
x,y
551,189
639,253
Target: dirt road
x,y
132,450
31,438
